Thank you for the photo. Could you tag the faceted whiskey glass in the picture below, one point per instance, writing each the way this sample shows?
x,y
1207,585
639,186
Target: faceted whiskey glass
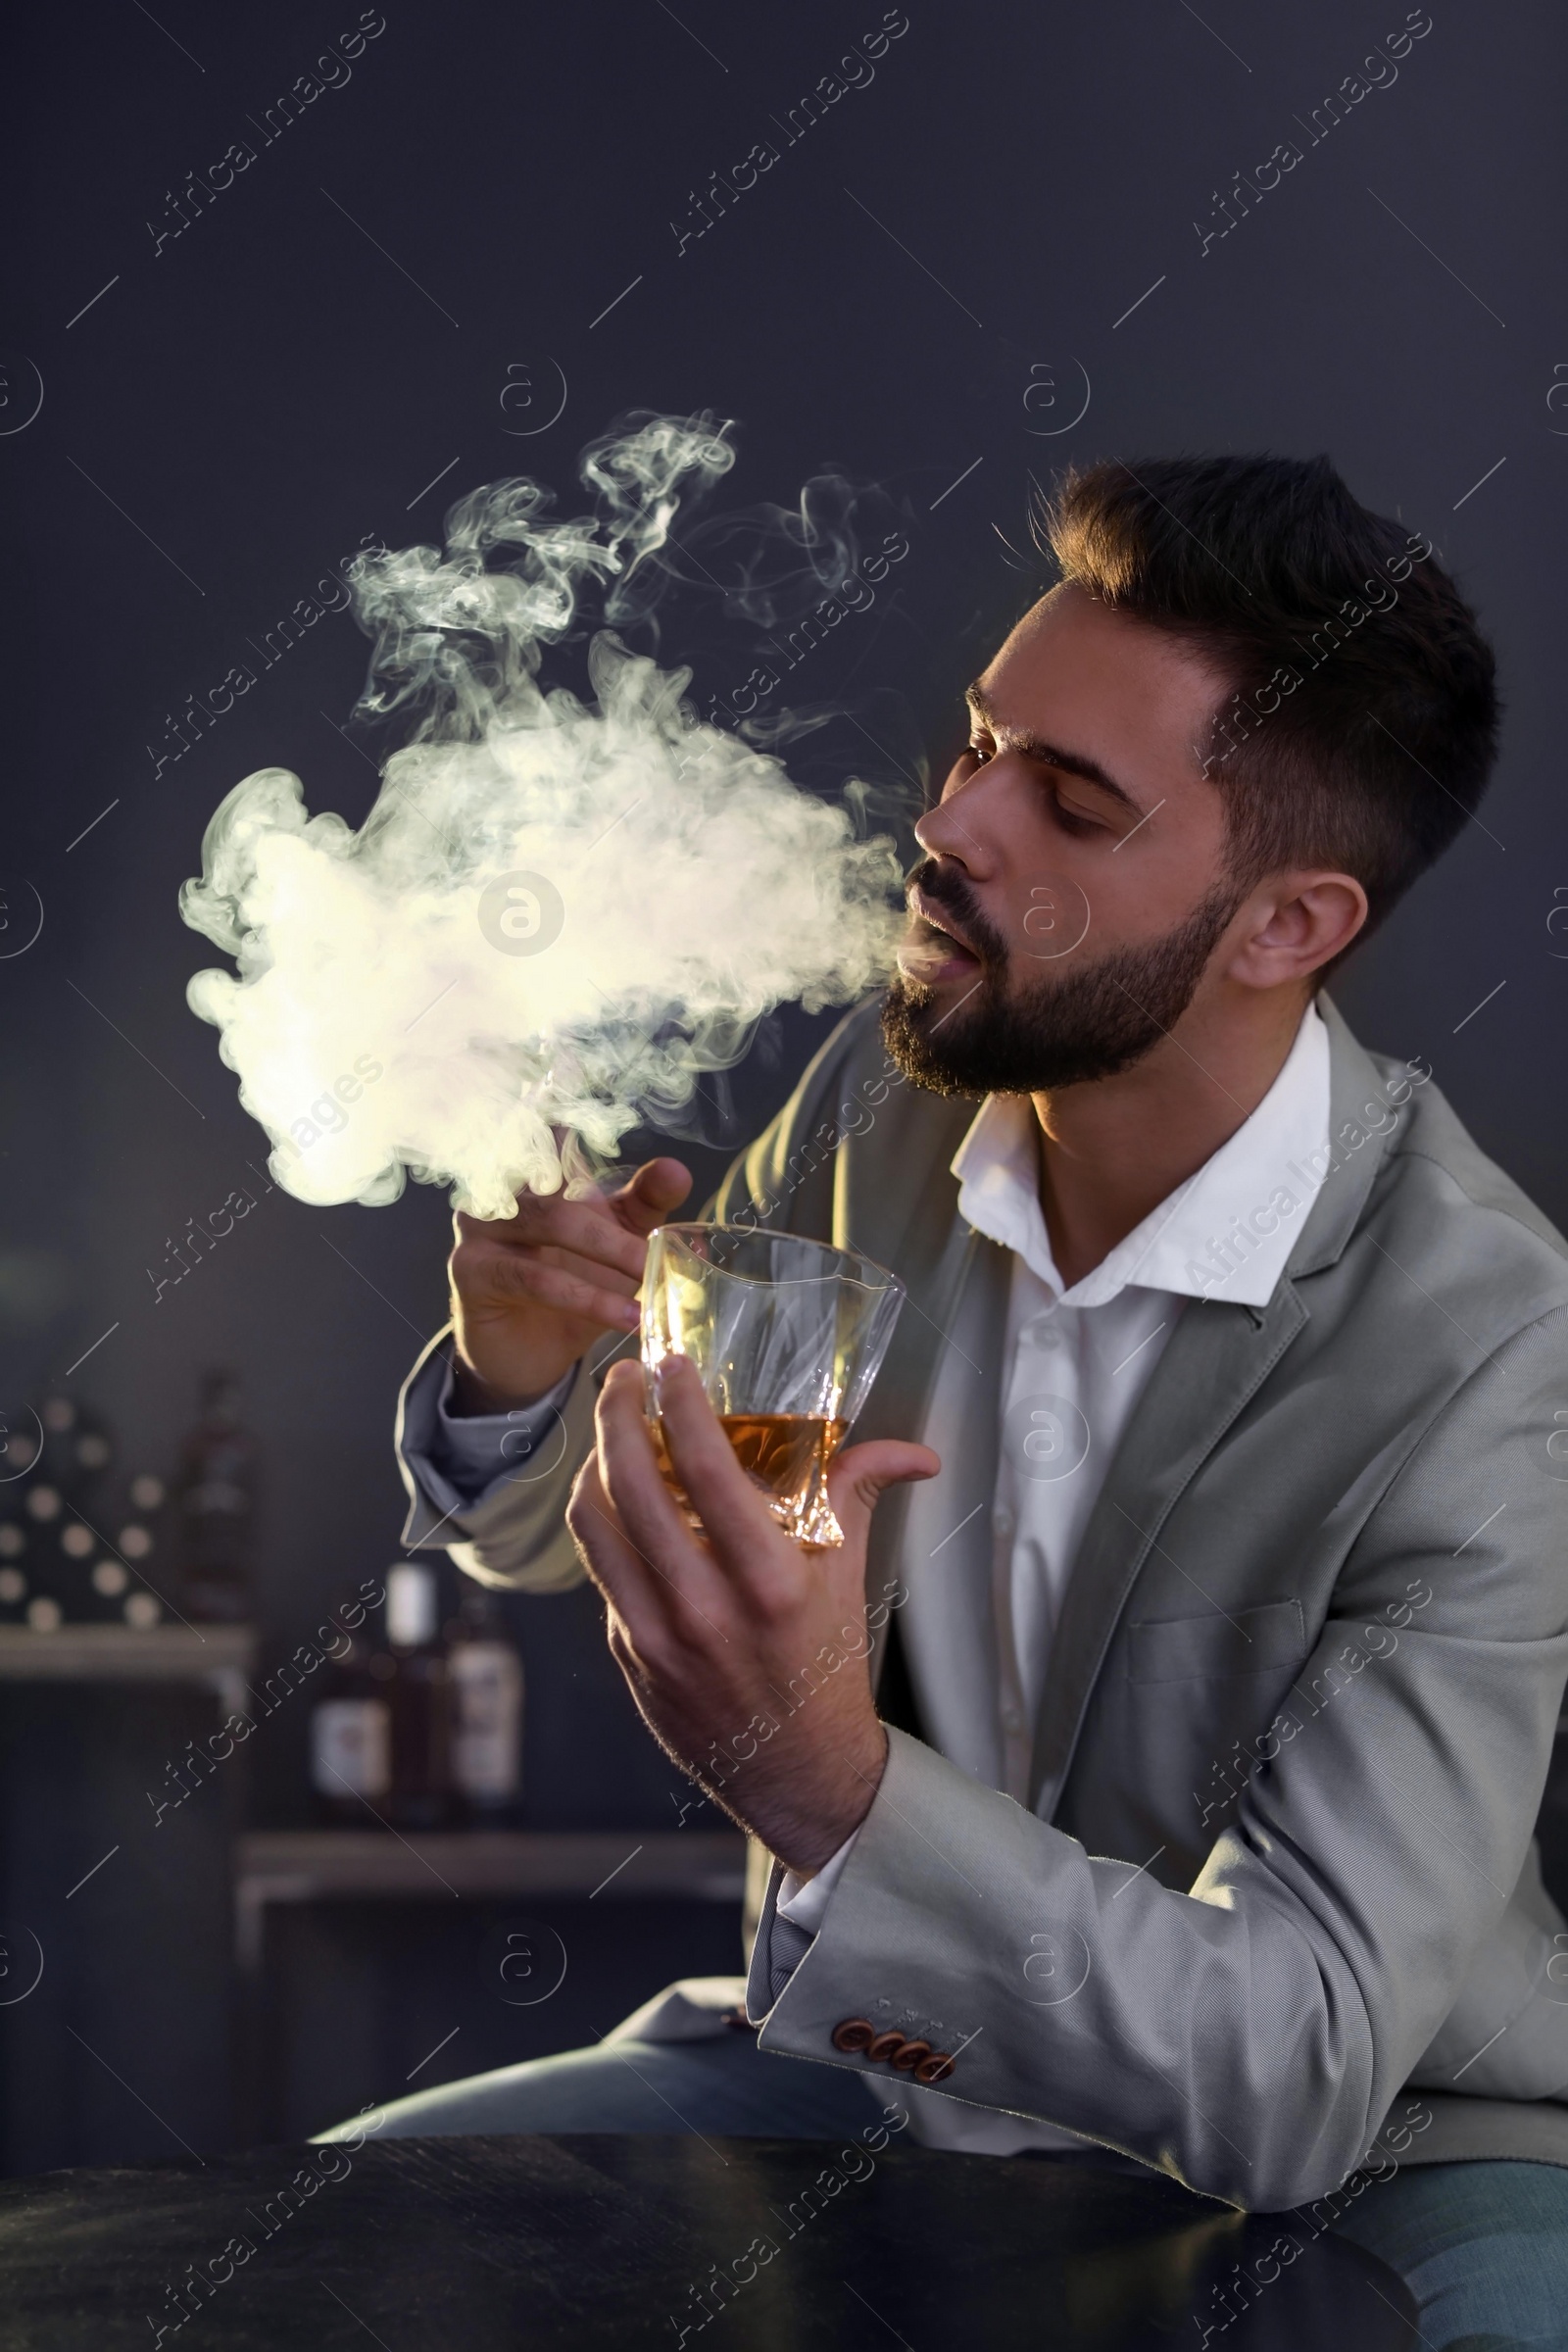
x,y
788,1336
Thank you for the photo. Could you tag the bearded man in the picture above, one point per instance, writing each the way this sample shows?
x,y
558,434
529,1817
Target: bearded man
x,y
1150,1776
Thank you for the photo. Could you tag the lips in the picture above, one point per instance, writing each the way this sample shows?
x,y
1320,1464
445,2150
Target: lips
x,y
934,948
930,912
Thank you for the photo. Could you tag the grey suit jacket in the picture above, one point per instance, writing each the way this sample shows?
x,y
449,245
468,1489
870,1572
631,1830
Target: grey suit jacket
x,y
1278,1891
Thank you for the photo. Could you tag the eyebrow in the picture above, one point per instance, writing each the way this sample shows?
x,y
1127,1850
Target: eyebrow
x,y
1071,764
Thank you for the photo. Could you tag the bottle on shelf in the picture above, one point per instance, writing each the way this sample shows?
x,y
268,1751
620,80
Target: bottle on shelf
x,y
136,1564
75,1449
55,1457
44,1512
19,1452
13,1567
215,1495
16,1547
351,1740
32,1540
67,1577
412,1672
18,1569
485,1666
19,1444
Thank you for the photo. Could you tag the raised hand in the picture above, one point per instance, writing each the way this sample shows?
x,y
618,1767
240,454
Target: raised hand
x,y
531,1294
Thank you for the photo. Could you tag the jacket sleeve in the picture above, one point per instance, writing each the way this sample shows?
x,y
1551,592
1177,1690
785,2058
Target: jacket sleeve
x,y
514,1536
1249,2034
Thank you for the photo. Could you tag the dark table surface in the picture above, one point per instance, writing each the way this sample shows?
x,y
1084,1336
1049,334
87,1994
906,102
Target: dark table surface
x,y
592,2240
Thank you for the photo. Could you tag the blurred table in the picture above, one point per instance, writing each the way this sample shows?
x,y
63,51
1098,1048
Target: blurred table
x,y
594,2241
610,1868
317,1866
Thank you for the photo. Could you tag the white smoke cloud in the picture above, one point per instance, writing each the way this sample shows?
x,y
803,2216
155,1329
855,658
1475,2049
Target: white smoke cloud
x,y
557,915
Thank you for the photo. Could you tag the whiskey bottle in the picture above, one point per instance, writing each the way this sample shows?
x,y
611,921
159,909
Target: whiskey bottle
x,y
215,1506
412,1672
486,1672
350,1741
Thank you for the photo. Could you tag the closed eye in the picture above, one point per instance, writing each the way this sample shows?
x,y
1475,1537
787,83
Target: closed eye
x,y
1071,820
982,749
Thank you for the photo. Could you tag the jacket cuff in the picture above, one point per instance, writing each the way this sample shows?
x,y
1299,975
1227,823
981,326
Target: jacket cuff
x,y
901,1937
458,1460
512,1535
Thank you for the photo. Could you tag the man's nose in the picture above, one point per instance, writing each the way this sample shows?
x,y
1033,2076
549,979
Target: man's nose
x,y
955,830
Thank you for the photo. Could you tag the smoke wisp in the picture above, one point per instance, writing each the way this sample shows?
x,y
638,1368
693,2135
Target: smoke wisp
x,y
559,913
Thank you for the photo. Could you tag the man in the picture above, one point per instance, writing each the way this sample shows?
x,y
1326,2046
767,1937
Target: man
x,y
1220,1609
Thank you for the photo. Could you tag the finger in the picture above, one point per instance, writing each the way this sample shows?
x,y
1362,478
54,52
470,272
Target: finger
x,y
858,1478
751,1544
659,1186
588,1228
643,1601
476,1265
645,1508
587,1269
532,1277
612,1561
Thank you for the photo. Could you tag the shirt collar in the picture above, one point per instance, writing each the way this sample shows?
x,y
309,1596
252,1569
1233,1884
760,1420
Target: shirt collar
x,y
1225,1232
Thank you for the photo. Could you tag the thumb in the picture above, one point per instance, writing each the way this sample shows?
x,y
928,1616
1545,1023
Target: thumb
x,y
858,1478
647,1198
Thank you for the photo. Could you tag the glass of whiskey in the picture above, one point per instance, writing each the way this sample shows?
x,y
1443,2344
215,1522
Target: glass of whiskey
x,y
788,1336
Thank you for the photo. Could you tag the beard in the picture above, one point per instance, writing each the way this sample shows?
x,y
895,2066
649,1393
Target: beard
x,y
1097,1019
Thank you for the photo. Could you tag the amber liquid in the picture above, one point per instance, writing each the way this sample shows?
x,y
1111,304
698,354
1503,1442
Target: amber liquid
x,y
786,1456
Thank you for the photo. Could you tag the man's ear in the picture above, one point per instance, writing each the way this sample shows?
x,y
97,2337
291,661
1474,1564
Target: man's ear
x,y
1294,923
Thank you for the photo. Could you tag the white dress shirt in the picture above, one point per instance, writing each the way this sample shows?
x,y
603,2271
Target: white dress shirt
x,y
1075,1364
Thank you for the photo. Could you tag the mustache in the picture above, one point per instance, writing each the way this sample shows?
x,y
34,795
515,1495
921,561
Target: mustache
x,y
948,889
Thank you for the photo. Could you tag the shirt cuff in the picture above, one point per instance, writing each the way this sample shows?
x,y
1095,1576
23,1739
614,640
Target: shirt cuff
x,y
458,1460
803,1903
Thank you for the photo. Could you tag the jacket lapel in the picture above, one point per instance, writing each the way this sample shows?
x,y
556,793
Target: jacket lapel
x,y
942,1532
1217,1357
942,1263
904,1212
948,1271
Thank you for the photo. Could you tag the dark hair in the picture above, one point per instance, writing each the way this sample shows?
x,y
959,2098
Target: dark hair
x,y
1361,723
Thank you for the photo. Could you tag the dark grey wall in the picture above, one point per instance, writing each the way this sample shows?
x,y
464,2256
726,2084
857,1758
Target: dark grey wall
x,y
922,288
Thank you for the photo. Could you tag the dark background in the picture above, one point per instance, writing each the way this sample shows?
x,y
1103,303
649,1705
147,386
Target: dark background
x,y
926,282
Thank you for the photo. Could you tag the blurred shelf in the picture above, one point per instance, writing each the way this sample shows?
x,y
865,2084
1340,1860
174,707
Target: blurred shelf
x,y
312,1866
221,1656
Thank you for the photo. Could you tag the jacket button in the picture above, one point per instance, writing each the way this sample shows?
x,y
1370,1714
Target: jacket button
x,y
855,2033
909,2055
885,2046
934,2069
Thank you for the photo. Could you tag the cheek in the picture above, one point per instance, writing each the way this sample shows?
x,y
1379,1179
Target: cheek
x,y
1051,914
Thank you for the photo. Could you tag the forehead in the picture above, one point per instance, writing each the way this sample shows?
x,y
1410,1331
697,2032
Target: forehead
x,y
1131,697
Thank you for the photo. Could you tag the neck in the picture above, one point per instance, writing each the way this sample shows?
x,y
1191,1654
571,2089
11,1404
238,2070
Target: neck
x,y
1112,1150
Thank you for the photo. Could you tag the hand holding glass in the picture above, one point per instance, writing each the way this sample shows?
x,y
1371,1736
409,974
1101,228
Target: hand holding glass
x,y
788,1336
